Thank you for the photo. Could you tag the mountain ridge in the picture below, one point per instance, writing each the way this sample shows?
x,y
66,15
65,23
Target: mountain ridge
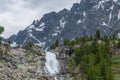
x,y
82,19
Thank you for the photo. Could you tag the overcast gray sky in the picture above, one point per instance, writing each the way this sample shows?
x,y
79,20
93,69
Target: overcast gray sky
x,y
16,15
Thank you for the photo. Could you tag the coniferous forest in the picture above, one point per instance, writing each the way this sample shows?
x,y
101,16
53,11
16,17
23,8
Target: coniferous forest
x,y
94,57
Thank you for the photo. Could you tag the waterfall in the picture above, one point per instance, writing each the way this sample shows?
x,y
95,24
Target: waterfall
x,y
52,66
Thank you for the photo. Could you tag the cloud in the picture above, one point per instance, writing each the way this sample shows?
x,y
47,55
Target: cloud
x,y
16,15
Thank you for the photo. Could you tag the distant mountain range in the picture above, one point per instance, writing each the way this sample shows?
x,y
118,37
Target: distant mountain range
x,y
82,19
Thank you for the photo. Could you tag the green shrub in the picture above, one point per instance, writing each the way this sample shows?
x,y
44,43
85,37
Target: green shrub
x,y
30,44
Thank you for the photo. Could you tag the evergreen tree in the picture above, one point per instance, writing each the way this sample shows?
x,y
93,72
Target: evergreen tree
x,y
56,43
77,40
118,44
106,39
114,37
97,35
53,46
67,42
1,31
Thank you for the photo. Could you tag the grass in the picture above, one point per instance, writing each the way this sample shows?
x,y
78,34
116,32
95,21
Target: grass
x,y
116,59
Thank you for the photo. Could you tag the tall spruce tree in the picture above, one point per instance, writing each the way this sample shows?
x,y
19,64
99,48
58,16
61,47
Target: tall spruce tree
x,y
97,35
1,31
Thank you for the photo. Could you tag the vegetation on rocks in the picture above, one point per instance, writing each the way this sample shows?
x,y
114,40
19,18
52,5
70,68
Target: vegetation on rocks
x,y
54,45
94,57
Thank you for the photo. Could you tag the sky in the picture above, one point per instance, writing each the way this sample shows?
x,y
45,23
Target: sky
x,y
16,15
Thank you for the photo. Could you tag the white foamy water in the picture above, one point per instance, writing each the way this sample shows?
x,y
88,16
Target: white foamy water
x,y
52,66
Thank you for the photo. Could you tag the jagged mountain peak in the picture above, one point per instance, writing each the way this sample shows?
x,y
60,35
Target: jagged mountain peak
x,y
84,18
63,11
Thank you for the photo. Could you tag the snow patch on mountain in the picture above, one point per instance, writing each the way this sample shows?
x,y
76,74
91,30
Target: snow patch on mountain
x,y
25,40
45,38
42,24
84,13
110,16
41,44
29,31
104,24
75,12
112,7
100,4
54,34
40,28
79,21
118,14
115,0
62,23
31,35
118,35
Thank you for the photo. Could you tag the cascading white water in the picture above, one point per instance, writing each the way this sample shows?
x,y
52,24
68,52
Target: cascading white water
x,y
52,66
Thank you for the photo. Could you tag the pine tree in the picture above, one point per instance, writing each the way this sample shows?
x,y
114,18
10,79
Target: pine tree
x,y
97,35
67,42
30,44
1,31
53,46
114,37
56,43
118,44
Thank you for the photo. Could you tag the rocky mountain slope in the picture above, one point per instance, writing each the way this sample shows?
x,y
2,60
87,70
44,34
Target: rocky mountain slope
x,y
82,19
19,63
31,63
